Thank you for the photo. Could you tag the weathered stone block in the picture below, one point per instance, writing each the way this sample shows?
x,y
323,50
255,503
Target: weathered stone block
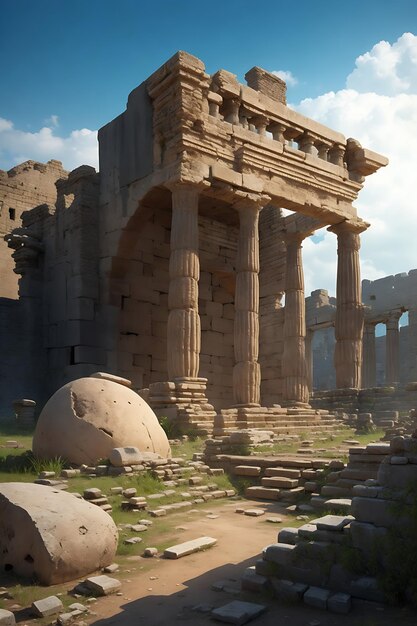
x,y
47,606
189,547
317,597
238,612
339,603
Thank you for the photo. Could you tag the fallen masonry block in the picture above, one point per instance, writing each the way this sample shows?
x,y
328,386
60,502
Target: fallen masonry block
x,y
7,618
47,606
189,547
238,612
317,597
287,590
251,581
149,552
254,512
339,603
102,585
132,541
110,569
67,618
92,493
138,528
158,513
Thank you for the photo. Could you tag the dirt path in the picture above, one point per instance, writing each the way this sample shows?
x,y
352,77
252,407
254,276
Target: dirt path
x,y
164,592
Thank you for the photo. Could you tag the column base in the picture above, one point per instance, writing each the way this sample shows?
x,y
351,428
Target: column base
x,y
184,402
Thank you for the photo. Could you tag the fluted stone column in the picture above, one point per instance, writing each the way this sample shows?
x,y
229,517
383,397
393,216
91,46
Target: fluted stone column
x,y
392,348
412,345
349,310
369,356
246,372
309,358
184,333
294,367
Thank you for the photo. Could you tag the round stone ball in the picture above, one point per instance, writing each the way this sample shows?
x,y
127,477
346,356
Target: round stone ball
x,y
85,419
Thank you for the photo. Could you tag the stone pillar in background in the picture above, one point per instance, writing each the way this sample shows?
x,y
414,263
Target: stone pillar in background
x,y
246,372
392,349
183,333
309,358
412,344
369,356
294,367
349,310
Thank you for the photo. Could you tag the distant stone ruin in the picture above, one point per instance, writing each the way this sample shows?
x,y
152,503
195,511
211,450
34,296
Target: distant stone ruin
x,y
169,266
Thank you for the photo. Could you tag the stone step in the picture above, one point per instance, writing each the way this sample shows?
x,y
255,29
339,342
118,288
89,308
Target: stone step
x,y
330,491
283,472
263,493
280,482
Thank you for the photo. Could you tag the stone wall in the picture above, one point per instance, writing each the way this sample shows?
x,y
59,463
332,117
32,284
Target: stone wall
x,y
23,187
141,351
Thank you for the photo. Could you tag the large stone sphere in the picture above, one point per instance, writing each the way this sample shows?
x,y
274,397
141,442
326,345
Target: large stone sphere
x,y
85,419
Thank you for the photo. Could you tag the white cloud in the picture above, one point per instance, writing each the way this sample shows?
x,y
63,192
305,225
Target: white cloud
x,y
380,110
387,69
287,76
78,148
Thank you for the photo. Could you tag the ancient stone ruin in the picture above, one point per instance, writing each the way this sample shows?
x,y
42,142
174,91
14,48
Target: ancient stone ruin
x,y
168,267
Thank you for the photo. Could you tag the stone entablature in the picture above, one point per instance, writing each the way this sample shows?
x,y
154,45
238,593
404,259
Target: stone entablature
x,y
169,247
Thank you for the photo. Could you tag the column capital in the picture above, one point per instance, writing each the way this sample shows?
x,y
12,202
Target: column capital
x,y
250,202
293,237
175,186
355,228
392,320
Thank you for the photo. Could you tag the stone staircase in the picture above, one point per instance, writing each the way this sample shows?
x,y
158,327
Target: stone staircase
x,y
281,477
279,420
362,466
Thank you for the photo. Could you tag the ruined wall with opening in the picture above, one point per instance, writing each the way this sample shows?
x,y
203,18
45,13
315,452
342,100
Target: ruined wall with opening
x,y
23,187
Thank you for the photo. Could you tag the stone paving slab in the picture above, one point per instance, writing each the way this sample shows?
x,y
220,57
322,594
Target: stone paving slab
x,y
332,522
189,547
238,612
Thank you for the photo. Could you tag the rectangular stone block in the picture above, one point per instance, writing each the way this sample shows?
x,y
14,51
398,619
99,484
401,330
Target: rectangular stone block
x,y
246,470
288,590
280,553
339,603
332,522
238,612
47,606
189,547
263,493
317,597
102,585
282,483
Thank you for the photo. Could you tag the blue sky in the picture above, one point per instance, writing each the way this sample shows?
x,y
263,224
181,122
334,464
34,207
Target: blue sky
x,y
79,59
69,65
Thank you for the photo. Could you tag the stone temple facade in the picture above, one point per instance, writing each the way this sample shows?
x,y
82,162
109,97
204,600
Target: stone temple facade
x,y
169,266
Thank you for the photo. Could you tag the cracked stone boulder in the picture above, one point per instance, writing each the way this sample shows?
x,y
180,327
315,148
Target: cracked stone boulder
x,y
85,419
50,535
